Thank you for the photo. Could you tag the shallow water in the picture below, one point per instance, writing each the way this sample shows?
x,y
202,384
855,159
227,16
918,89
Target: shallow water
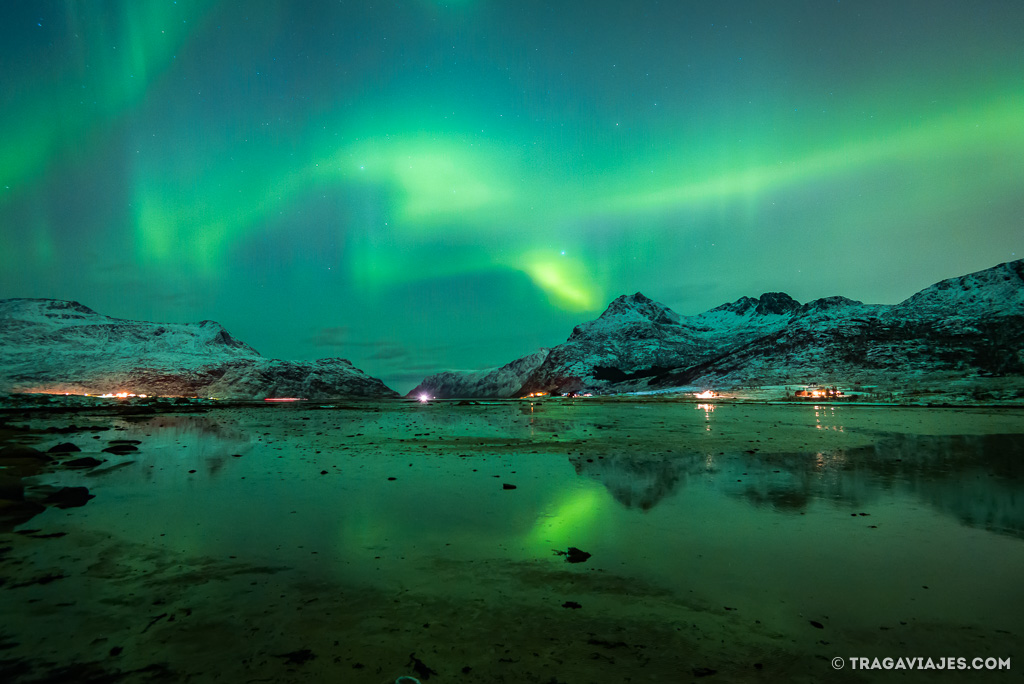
x,y
718,533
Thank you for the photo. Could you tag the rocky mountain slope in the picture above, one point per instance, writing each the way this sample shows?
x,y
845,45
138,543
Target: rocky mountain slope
x,y
971,326
49,345
490,382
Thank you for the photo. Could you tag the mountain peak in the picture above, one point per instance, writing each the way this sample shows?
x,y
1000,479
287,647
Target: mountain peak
x,y
998,290
46,308
643,306
50,345
768,303
739,307
829,303
633,300
776,303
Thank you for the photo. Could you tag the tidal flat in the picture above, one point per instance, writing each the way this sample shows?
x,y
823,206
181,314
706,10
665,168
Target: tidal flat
x,y
361,542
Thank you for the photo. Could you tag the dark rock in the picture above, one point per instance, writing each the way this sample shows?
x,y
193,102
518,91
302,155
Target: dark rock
x,y
419,667
815,623
121,449
43,579
18,461
573,555
84,462
69,497
604,643
62,448
576,555
506,485
74,428
21,452
12,488
15,512
703,671
300,657
571,604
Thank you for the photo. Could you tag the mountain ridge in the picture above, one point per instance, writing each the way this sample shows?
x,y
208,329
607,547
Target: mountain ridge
x,y
966,326
58,346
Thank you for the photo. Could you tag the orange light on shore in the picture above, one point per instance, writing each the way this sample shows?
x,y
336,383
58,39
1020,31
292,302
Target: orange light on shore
x,y
284,399
121,395
706,394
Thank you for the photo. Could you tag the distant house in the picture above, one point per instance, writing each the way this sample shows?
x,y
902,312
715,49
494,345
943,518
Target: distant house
x,y
818,392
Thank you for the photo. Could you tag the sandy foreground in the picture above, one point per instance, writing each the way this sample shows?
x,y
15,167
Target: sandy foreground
x,y
360,543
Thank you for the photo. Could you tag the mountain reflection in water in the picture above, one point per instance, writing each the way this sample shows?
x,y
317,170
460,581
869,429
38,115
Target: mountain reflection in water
x,y
978,479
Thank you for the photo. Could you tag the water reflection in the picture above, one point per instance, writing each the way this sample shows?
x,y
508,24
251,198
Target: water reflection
x,y
198,442
638,482
979,479
708,409
825,418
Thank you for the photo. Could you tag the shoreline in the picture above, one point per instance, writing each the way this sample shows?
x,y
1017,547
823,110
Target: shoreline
x,y
19,403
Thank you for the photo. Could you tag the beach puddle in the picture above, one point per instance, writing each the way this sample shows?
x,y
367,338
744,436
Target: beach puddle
x,y
365,542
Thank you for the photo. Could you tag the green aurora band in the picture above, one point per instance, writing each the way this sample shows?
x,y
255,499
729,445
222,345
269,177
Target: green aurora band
x,y
199,154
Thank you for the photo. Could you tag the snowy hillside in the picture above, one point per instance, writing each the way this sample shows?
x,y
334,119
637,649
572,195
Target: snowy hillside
x,y
997,291
49,345
491,382
971,326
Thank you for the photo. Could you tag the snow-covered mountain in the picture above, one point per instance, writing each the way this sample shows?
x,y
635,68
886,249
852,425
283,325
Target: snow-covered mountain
x,y
50,345
490,382
959,328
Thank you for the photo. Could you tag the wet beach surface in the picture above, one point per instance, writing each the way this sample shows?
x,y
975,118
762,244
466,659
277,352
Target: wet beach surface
x,y
365,541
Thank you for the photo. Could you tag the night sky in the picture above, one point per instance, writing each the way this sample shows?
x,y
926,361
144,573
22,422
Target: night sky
x,y
424,185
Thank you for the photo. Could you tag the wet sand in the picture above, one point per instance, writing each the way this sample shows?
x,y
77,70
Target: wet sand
x,y
729,542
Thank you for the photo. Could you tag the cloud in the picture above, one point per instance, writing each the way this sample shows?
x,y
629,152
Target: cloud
x,y
331,337
376,349
389,352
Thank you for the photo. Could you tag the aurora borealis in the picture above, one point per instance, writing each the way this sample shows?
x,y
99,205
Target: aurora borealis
x,y
426,185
